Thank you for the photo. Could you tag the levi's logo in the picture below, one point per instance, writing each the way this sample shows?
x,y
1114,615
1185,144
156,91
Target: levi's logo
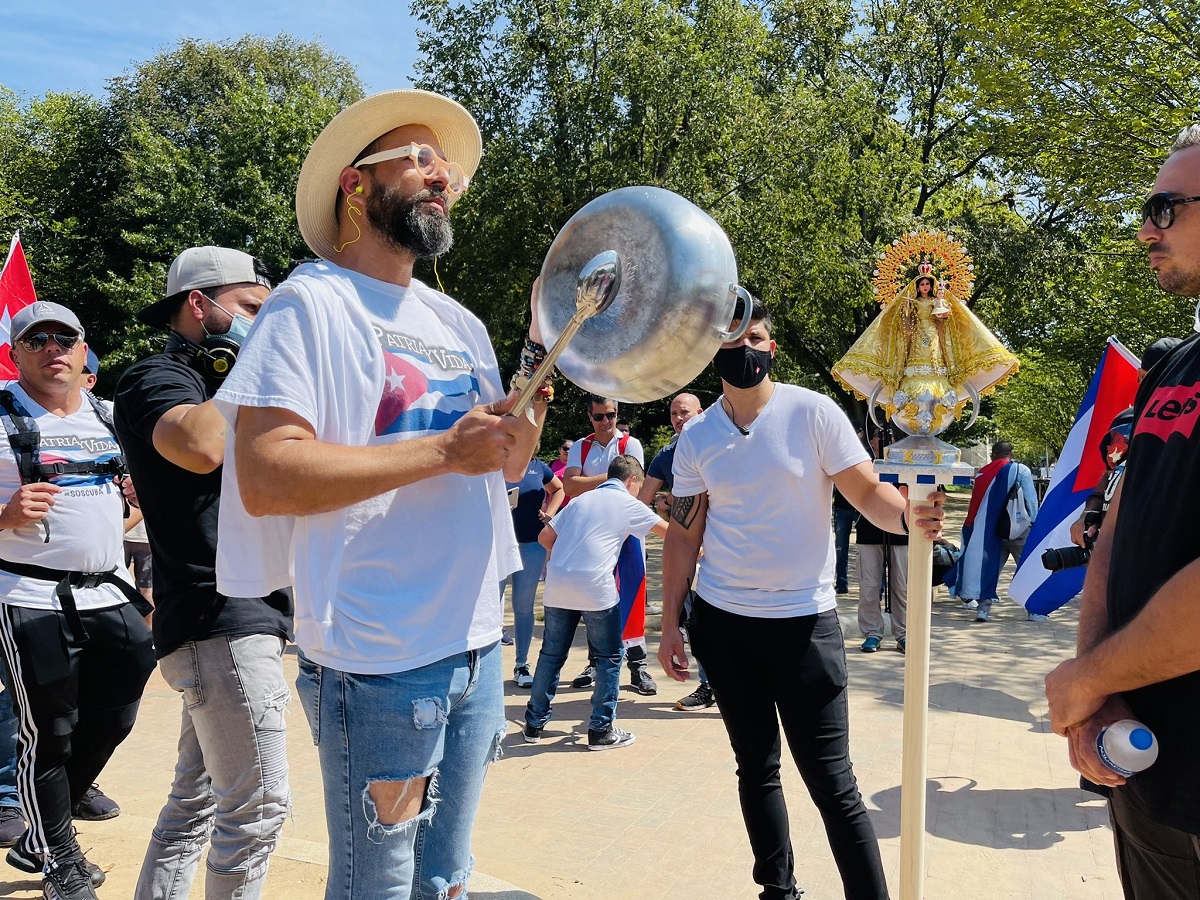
x,y
1172,409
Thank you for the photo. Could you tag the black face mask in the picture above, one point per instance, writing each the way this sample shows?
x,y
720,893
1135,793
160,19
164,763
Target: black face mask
x,y
742,366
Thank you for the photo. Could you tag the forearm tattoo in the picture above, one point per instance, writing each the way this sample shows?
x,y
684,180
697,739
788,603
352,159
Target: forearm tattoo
x,y
684,510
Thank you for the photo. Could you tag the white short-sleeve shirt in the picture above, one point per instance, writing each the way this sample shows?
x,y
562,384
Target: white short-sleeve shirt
x,y
599,457
768,543
589,534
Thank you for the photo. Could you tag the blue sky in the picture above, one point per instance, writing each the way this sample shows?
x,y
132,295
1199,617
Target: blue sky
x,y
56,45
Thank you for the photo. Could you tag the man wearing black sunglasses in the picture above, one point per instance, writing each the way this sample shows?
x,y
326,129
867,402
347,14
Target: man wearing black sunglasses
x,y
1137,655
77,648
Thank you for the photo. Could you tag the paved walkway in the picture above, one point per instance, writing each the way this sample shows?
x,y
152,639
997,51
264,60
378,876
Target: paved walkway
x,y
1006,819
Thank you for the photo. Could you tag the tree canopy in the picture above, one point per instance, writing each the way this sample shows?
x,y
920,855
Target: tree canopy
x,y
814,132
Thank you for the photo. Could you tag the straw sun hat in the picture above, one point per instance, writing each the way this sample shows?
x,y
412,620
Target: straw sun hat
x,y
349,133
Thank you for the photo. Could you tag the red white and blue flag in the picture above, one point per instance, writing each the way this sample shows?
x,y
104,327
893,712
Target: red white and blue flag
x,y
1078,471
16,291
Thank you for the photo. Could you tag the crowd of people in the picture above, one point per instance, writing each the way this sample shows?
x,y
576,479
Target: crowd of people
x,y
330,461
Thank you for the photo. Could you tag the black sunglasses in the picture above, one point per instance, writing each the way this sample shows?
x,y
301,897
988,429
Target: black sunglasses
x,y
1160,209
600,417
565,449
36,341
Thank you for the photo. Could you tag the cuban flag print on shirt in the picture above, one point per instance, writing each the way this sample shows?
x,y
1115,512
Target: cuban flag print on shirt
x,y
426,389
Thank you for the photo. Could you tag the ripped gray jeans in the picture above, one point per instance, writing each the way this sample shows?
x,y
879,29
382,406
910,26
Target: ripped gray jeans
x,y
231,778
424,738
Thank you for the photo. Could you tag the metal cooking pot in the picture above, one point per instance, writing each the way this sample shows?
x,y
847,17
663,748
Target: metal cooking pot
x,y
674,303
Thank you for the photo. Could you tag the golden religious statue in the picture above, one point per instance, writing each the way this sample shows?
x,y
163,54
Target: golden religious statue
x,y
926,354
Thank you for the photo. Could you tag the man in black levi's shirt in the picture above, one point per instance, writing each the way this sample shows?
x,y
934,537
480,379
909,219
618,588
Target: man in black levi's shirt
x,y
223,654
1138,650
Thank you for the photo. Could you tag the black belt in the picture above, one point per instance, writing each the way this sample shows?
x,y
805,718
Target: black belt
x,y
65,582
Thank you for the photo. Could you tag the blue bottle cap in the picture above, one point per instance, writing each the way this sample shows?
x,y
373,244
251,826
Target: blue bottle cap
x,y
1141,739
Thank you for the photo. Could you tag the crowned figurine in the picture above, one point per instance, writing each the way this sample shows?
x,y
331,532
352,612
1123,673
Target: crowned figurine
x,y
926,354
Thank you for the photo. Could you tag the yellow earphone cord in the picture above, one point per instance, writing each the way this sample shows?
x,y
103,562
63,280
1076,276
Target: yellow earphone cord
x,y
351,211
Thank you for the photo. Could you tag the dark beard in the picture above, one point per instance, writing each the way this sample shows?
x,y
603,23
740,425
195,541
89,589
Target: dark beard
x,y
404,224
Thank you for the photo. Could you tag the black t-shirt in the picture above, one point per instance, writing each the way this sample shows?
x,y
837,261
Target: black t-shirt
x,y
1156,535
867,533
181,516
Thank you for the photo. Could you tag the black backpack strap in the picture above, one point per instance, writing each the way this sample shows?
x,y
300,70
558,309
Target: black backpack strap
x,y
23,436
64,582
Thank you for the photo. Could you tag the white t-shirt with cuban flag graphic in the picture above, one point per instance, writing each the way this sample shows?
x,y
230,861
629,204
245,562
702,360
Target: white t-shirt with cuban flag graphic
x,y
87,523
406,578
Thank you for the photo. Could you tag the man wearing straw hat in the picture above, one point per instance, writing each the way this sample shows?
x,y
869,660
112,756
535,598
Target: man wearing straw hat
x,y
371,444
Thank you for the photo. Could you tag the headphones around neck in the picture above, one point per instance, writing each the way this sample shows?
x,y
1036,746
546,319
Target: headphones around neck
x,y
213,357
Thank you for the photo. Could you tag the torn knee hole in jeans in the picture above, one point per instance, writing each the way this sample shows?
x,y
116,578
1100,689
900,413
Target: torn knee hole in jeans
x,y
455,887
428,712
377,828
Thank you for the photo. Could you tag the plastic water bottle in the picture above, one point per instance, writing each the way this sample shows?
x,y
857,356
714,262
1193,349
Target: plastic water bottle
x,y
1127,747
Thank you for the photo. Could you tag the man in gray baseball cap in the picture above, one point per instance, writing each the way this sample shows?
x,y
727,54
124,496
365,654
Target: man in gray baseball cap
x,y
40,313
231,746
67,604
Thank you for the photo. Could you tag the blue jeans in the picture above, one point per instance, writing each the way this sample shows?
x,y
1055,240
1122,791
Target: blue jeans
x,y
231,777
8,744
604,639
843,522
524,588
443,722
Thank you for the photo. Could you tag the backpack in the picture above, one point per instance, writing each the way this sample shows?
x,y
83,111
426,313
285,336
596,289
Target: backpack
x,y
25,440
1014,519
622,443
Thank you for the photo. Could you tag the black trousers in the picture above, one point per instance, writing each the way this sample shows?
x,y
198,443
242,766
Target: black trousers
x,y
768,672
1155,862
75,701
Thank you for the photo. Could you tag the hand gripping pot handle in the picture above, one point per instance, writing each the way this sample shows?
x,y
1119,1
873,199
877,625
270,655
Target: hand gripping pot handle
x,y
735,334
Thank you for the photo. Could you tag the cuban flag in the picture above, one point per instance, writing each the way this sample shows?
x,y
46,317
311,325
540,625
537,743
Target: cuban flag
x,y
631,588
16,291
1076,475
425,392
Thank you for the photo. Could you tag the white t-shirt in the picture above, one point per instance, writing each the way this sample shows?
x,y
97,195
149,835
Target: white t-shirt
x,y
590,533
768,544
599,457
409,577
86,522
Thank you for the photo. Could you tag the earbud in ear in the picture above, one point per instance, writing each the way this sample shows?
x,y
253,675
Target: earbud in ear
x,y
358,190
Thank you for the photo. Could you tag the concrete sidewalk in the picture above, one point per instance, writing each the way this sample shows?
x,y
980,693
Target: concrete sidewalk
x,y
1006,819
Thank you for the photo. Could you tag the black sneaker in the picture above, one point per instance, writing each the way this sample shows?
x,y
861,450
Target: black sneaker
x,y
522,677
701,698
68,879
640,681
26,861
12,825
586,678
532,735
609,740
94,806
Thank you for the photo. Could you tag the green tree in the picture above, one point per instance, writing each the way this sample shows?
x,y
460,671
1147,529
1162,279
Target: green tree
x,y
212,137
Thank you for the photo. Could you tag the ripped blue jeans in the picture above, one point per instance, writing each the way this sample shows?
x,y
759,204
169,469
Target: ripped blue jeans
x,y
443,722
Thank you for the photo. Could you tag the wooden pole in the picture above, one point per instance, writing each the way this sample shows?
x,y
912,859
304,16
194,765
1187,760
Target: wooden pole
x,y
916,703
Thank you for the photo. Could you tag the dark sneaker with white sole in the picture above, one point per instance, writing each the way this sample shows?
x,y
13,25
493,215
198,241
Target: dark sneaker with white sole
x,y
22,859
585,679
12,825
609,740
69,879
701,698
95,806
642,683
532,735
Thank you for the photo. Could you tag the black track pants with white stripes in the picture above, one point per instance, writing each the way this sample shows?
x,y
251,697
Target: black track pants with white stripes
x,y
75,700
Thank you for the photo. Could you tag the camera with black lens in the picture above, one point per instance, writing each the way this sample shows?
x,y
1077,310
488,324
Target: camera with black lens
x,y
1058,558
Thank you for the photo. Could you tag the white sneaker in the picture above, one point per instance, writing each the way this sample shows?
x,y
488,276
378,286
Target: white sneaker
x,y
1037,617
969,604
522,677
